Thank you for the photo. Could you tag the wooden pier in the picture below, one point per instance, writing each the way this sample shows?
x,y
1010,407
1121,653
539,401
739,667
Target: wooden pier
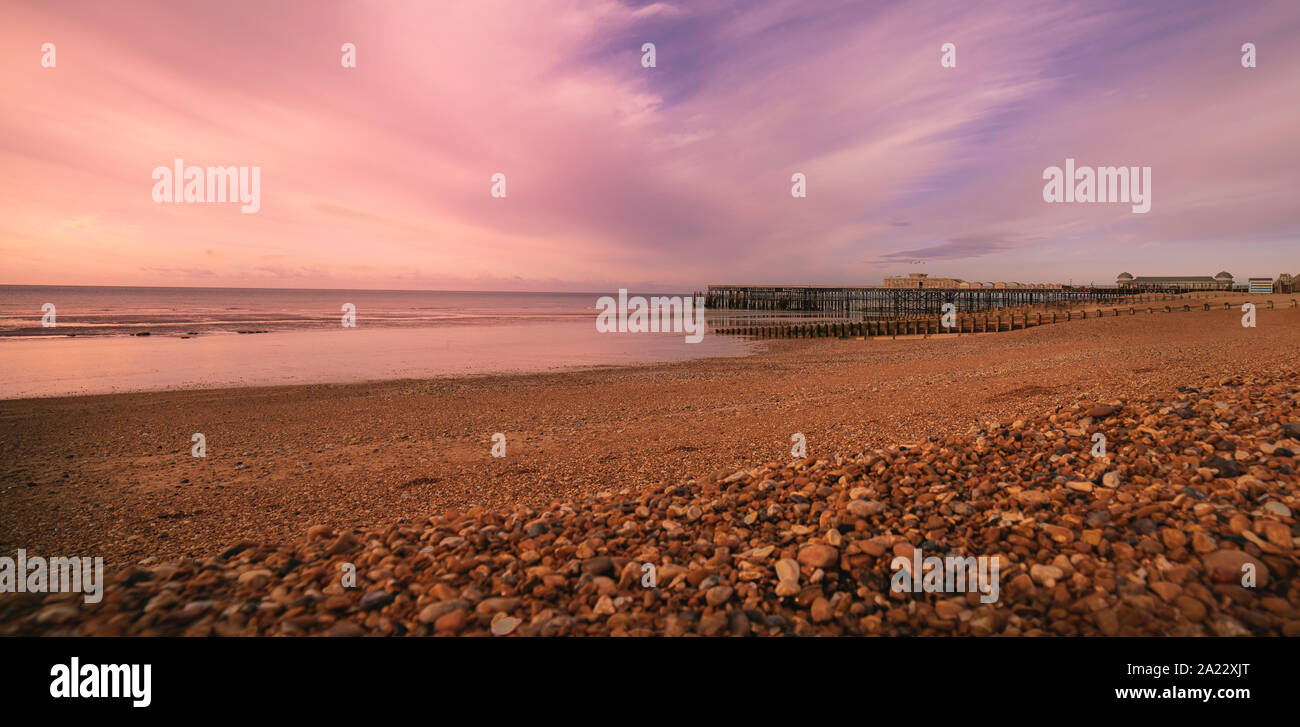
x,y
867,303
1012,319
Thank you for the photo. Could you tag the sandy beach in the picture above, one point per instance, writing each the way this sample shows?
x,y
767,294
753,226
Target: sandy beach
x,y
1184,526
114,476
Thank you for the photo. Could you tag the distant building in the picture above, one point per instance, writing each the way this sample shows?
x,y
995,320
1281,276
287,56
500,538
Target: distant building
x,y
1222,281
1260,285
1284,283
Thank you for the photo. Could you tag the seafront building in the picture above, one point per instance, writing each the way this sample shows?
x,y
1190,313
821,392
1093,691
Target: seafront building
x,y
1259,285
1222,281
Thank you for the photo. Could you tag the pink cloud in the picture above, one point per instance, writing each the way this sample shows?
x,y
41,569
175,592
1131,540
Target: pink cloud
x,y
676,176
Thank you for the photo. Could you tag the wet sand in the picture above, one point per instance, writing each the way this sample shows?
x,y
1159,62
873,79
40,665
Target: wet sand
x,y
51,366
113,475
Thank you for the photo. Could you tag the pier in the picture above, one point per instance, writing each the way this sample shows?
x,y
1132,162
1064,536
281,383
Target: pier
x,y
1003,319
867,303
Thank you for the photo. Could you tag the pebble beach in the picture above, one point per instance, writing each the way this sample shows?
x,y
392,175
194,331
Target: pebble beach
x,y
978,446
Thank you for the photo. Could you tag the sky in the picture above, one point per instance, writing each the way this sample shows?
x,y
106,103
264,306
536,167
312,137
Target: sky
x,y
669,177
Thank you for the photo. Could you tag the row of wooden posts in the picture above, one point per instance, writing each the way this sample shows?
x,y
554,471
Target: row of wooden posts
x,y
964,323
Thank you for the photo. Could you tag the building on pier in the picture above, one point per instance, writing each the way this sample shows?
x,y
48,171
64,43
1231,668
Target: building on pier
x,y
921,281
1222,281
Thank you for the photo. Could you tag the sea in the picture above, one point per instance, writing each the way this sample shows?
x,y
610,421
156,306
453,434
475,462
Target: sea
x,y
109,339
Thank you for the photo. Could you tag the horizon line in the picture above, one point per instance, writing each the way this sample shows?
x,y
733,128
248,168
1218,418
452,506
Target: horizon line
x,y
347,290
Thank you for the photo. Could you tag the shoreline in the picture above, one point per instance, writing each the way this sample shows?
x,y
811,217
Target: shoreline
x,y
654,348
113,474
339,356
262,389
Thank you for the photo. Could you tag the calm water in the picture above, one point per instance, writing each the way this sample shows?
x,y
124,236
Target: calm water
x,y
217,337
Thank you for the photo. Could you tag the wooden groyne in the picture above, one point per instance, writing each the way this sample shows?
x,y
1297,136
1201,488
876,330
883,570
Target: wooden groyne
x,y
964,323
895,303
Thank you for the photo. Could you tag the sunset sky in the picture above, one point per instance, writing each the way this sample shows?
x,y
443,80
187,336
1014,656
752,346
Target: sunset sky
x,y
670,177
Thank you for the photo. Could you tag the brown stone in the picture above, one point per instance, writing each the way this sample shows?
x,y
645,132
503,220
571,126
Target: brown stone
x,y
1107,622
1226,566
1166,590
1275,532
818,555
1192,608
1174,538
718,595
1059,534
820,610
452,621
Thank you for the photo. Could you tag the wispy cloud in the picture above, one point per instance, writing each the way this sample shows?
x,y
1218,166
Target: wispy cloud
x,y
677,176
957,248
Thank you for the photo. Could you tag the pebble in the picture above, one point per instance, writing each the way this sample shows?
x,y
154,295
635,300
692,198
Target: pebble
x,y
452,621
376,599
718,595
503,625
818,555
865,508
345,628
1277,508
1229,563
256,578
